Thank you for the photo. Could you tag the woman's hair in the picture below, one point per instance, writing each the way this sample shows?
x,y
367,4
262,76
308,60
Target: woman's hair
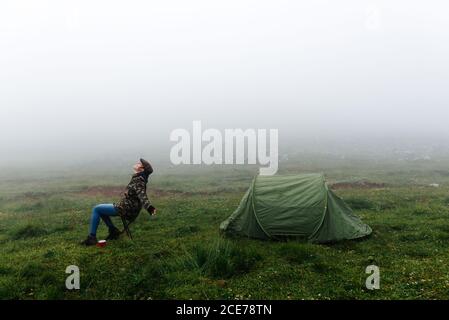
x,y
147,166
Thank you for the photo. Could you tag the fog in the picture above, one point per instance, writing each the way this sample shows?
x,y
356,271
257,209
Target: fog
x,y
86,80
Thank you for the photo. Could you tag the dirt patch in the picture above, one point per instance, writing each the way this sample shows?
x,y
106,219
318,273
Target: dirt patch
x,y
35,195
116,191
161,192
103,191
357,185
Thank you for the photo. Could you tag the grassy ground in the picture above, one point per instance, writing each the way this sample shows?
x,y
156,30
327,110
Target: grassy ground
x,y
180,255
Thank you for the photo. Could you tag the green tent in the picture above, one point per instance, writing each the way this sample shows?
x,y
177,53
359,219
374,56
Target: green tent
x,y
294,206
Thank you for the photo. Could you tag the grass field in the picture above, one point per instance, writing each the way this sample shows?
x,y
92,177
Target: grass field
x,y
179,254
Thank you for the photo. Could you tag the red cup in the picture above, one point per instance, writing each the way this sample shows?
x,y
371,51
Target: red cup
x,y
101,243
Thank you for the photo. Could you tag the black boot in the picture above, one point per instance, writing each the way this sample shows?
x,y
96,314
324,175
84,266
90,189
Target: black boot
x,y
90,241
114,234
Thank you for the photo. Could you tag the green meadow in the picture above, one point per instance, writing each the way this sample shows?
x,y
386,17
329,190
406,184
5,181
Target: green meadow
x,y
180,254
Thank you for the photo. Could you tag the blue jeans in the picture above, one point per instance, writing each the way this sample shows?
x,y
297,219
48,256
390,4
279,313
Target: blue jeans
x,y
103,211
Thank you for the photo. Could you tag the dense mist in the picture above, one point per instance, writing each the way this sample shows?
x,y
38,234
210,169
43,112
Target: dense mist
x,y
90,80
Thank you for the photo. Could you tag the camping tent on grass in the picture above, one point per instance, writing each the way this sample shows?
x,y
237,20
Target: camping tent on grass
x,y
294,206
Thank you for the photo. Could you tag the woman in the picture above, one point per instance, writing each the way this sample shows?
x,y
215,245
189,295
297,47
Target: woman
x,y
134,199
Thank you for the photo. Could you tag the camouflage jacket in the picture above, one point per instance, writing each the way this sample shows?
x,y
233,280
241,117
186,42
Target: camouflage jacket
x,y
134,199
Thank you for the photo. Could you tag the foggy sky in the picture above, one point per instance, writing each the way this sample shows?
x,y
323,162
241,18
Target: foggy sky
x,y
83,78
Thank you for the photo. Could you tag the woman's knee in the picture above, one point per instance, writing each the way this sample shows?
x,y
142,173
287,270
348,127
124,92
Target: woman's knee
x,y
102,209
97,209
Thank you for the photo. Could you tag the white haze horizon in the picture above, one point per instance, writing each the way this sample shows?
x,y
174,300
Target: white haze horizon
x,y
90,80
